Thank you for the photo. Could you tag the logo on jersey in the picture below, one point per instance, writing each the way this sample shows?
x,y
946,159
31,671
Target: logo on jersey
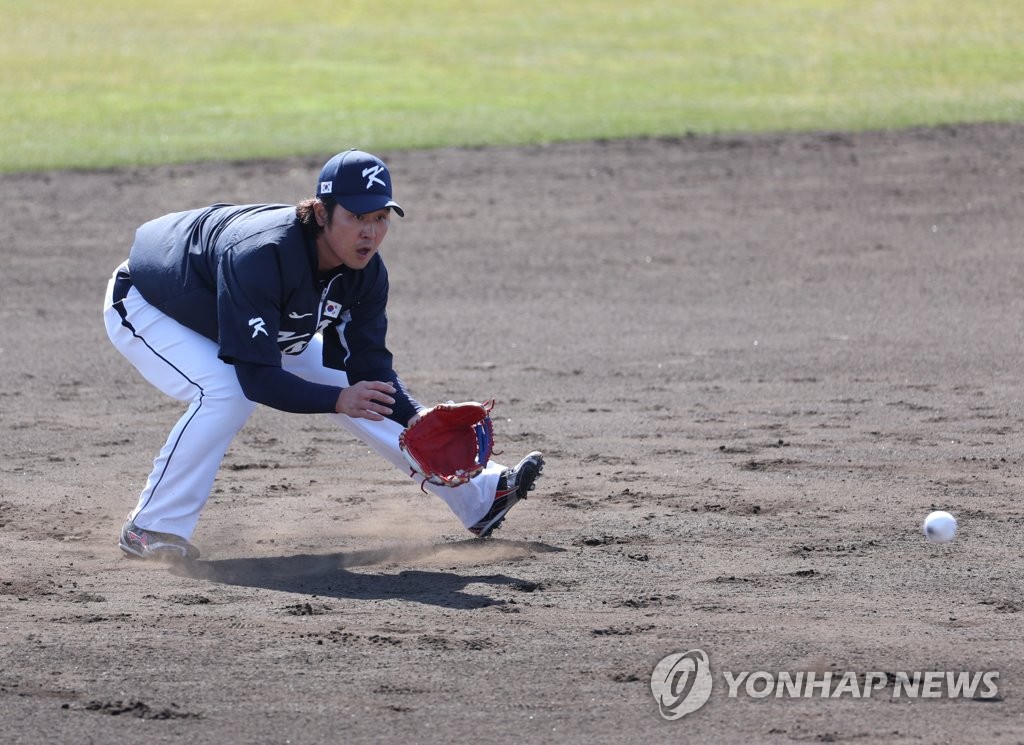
x,y
326,187
292,342
332,309
257,327
372,174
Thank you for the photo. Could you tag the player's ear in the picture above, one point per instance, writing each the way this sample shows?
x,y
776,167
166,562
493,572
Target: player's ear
x,y
320,213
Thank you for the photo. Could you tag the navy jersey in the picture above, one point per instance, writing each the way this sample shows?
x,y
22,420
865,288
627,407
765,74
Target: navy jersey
x,y
246,277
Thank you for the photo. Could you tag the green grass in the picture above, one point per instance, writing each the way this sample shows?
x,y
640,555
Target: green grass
x,y
113,82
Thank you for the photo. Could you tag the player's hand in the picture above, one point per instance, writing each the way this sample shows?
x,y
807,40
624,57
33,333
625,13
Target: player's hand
x,y
367,399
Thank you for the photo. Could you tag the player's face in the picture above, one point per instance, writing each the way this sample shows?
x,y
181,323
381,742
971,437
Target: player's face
x,y
351,240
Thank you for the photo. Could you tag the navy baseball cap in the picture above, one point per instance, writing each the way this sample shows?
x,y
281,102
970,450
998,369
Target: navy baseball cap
x,y
358,181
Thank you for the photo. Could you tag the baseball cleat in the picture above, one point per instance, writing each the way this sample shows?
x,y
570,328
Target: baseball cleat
x,y
149,544
513,486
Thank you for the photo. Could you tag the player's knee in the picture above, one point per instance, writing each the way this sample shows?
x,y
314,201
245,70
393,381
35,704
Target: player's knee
x,y
229,401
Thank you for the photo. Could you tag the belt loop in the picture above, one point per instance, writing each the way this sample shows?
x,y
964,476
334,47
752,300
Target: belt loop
x,y
122,283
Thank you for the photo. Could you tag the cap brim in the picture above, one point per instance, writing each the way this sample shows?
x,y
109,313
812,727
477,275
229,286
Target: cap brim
x,y
362,204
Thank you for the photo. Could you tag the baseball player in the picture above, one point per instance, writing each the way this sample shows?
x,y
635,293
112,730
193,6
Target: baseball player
x,y
227,307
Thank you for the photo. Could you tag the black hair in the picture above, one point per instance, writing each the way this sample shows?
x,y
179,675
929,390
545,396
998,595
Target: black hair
x,y
306,214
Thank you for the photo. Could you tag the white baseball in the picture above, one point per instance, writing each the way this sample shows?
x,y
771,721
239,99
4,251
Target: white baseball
x,y
939,527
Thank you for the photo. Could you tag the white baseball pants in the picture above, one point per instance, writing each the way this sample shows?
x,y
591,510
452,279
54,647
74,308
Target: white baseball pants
x,y
184,364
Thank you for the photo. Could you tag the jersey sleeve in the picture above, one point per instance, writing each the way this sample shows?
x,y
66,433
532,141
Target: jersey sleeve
x,y
249,306
280,389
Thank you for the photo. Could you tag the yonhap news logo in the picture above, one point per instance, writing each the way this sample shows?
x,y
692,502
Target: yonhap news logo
x,y
681,684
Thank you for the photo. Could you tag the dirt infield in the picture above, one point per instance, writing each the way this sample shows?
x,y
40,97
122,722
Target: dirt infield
x,y
754,363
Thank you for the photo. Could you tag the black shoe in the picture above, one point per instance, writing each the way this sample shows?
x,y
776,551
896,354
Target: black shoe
x,y
513,486
148,544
